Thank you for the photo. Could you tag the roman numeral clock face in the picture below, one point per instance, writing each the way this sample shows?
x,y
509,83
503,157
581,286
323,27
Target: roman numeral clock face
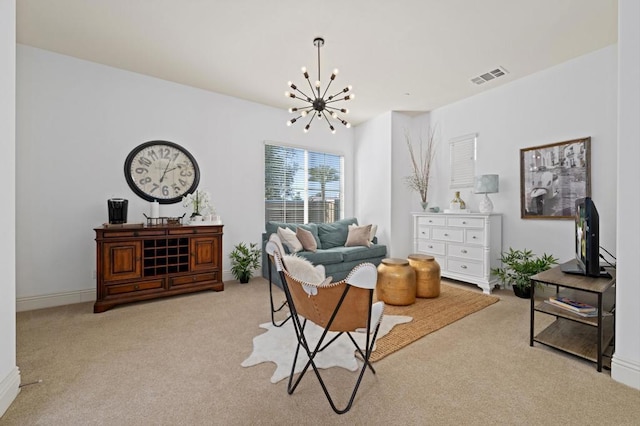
x,y
162,171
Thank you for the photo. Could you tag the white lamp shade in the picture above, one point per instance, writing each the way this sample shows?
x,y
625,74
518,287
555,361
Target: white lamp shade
x,y
486,184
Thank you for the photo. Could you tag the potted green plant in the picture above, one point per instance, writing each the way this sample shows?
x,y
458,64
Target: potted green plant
x,y
244,260
519,266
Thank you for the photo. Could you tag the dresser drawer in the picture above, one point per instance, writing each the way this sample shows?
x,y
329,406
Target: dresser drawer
x,y
137,287
431,247
465,267
193,279
466,222
465,252
431,220
474,236
456,235
423,231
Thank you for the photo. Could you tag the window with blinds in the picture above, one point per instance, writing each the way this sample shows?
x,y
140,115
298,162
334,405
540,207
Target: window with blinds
x,y
463,160
302,186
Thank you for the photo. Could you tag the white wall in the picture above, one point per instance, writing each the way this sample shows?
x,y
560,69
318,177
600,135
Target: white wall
x,y
9,373
572,100
76,123
372,165
625,366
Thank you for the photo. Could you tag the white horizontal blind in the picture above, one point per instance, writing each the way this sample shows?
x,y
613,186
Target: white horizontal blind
x,y
462,160
302,186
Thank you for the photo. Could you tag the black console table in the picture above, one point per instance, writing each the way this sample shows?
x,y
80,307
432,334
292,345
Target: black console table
x,y
585,337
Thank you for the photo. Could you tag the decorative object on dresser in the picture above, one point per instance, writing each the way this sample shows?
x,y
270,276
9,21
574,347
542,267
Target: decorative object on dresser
x,y
486,184
519,266
200,203
457,205
466,246
421,160
162,171
244,260
138,262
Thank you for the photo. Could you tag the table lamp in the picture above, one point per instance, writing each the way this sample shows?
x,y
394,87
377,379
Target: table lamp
x,y
486,184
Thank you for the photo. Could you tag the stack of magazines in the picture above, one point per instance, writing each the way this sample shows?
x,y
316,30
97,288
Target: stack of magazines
x,y
576,307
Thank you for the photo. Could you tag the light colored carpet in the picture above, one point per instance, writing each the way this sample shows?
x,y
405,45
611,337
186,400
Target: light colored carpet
x,y
176,361
278,345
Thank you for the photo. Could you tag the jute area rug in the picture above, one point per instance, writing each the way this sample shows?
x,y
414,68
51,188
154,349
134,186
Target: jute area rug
x,y
430,315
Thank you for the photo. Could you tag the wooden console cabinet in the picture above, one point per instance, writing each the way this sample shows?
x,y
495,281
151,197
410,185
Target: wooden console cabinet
x,y
142,263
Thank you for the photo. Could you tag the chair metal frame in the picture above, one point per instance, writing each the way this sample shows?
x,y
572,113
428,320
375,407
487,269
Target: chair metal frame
x,y
278,246
355,292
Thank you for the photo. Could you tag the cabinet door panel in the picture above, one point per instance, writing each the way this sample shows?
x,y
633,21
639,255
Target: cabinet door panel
x,y
121,261
204,253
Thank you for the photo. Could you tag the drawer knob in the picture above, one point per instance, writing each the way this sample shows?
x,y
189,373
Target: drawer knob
x,y
430,246
474,238
446,235
423,232
463,266
463,251
464,222
430,221
136,287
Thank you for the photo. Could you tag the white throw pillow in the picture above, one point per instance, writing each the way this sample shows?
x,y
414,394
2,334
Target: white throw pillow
x,y
374,229
290,240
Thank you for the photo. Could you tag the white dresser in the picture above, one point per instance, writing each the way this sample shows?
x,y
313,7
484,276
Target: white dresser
x,y
465,245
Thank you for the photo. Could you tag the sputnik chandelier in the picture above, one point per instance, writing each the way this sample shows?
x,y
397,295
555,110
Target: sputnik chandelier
x,y
317,103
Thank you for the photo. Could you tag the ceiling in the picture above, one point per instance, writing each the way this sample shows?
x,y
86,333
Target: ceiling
x,y
403,55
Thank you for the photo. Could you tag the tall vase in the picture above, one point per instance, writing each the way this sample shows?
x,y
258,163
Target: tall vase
x,y
424,205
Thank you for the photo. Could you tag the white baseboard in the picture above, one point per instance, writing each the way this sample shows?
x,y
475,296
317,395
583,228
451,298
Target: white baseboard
x,y
9,388
625,371
57,299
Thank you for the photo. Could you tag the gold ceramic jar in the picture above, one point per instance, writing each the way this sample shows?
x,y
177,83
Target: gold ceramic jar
x,y
427,275
396,283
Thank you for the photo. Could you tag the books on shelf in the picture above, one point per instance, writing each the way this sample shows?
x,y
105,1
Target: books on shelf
x,y
572,305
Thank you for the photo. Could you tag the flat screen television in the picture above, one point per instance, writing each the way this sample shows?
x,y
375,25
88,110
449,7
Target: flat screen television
x,y
587,240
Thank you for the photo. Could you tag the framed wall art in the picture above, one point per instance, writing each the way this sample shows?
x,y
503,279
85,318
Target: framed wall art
x,y
553,177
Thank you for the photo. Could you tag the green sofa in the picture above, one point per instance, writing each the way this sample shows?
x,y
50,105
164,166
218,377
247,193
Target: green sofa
x,y
337,259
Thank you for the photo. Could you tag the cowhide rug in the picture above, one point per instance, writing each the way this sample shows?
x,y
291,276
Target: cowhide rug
x,y
278,345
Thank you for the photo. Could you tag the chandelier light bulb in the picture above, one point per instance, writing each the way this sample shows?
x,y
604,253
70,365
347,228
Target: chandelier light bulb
x,y
317,83
306,128
292,110
293,86
333,130
348,125
351,96
333,114
303,113
335,71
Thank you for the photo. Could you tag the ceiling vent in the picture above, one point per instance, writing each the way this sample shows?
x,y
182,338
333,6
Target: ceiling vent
x,y
490,75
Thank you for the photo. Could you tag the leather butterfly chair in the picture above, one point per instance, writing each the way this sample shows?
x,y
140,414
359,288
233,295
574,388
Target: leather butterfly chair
x,y
276,240
344,307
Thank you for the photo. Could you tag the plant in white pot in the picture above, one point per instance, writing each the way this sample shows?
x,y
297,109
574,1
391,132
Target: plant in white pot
x,y
519,267
244,260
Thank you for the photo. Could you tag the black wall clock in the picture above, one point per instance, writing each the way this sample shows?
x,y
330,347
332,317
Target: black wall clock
x,y
162,171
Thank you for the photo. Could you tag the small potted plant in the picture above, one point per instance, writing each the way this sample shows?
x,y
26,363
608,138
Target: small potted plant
x,y
244,260
520,265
